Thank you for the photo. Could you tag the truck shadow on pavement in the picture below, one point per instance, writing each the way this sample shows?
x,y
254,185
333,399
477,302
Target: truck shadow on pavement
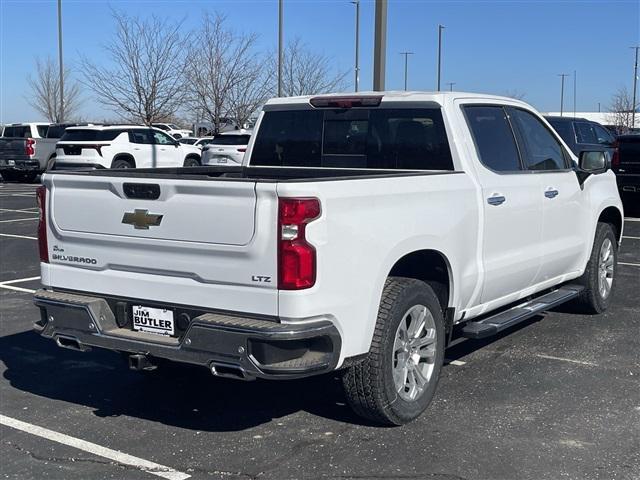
x,y
176,395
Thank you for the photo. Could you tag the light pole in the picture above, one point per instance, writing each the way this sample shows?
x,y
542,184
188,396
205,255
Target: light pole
x,y
635,86
406,67
451,84
280,46
61,116
562,75
356,69
574,92
380,45
440,28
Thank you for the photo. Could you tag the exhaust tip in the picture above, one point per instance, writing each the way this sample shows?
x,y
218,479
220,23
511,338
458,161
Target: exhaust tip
x,y
71,343
228,371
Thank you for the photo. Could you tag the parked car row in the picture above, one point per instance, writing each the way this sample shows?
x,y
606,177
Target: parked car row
x,y
28,149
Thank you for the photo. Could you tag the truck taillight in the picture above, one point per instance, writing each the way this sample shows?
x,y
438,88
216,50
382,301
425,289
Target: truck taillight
x,y
30,147
615,160
41,194
296,257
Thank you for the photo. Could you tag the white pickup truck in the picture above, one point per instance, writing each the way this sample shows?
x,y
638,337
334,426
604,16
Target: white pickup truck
x,y
363,233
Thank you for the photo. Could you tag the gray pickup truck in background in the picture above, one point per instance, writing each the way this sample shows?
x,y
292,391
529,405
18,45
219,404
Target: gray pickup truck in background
x,y
27,148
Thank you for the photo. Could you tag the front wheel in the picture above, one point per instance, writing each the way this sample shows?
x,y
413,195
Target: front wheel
x,y
398,379
600,275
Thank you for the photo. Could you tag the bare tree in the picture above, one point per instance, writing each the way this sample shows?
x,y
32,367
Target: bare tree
x,y
225,74
620,110
45,92
305,72
146,81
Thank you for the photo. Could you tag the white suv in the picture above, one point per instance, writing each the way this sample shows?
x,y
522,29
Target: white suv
x,y
173,130
226,149
122,146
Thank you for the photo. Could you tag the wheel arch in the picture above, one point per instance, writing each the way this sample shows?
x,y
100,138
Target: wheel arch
x,y
430,266
613,216
124,156
195,156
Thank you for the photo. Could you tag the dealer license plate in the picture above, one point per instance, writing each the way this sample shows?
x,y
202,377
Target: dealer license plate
x,y
153,320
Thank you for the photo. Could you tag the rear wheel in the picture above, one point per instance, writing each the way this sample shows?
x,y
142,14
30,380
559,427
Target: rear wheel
x,y
398,379
191,162
122,163
600,274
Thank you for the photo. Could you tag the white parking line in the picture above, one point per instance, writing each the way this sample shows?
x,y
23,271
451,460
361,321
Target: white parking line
x,y
631,238
579,362
457,363
631,219
18,219
17,236
94,449
629,264
24,210
19,280
17,289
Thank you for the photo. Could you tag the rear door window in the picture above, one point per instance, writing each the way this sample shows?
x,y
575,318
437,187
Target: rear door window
x,y
494,138
42,130
565,130
384,138
73,135
603,135
540,149
585,133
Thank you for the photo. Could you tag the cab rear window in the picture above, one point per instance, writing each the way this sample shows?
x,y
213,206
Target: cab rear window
x,y
72,135
380,138
231,140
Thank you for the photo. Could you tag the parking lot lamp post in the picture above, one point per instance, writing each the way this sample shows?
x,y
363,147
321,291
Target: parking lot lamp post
x,y
440,28
357,64
635,86
562,75
406,67
61,115
280,47
380,46
451,84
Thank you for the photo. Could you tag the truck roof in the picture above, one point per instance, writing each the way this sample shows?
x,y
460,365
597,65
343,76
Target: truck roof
x,y
107,127
395,96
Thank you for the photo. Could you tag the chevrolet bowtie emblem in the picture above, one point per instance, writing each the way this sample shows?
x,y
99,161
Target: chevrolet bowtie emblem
x,y
141,219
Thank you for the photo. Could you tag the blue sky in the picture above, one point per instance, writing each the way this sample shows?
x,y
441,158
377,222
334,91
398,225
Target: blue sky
x,y
489,46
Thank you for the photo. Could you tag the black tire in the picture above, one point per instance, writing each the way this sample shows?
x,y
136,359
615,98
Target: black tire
x,y
9,176
591,300
29,177
122,163
369,386
191,162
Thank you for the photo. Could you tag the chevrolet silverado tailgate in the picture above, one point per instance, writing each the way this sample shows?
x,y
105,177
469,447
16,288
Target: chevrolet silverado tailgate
x,y
203,241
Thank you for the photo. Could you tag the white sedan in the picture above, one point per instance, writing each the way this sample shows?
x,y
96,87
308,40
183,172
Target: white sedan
x,y
226,149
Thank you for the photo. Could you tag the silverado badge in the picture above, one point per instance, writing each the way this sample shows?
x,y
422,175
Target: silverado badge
x,y
141,219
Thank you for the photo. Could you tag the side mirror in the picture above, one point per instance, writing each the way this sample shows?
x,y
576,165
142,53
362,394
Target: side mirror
x,y
176,144
595,162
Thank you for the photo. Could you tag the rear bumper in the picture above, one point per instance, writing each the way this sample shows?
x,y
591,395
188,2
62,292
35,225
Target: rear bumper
x,y
19,165
77,166
628,182
233,346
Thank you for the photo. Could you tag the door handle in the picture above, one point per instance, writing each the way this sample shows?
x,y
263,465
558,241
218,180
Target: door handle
x,y
496,200
551,193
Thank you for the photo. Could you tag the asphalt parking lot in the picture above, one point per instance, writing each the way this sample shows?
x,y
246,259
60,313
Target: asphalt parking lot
x,y
558,397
